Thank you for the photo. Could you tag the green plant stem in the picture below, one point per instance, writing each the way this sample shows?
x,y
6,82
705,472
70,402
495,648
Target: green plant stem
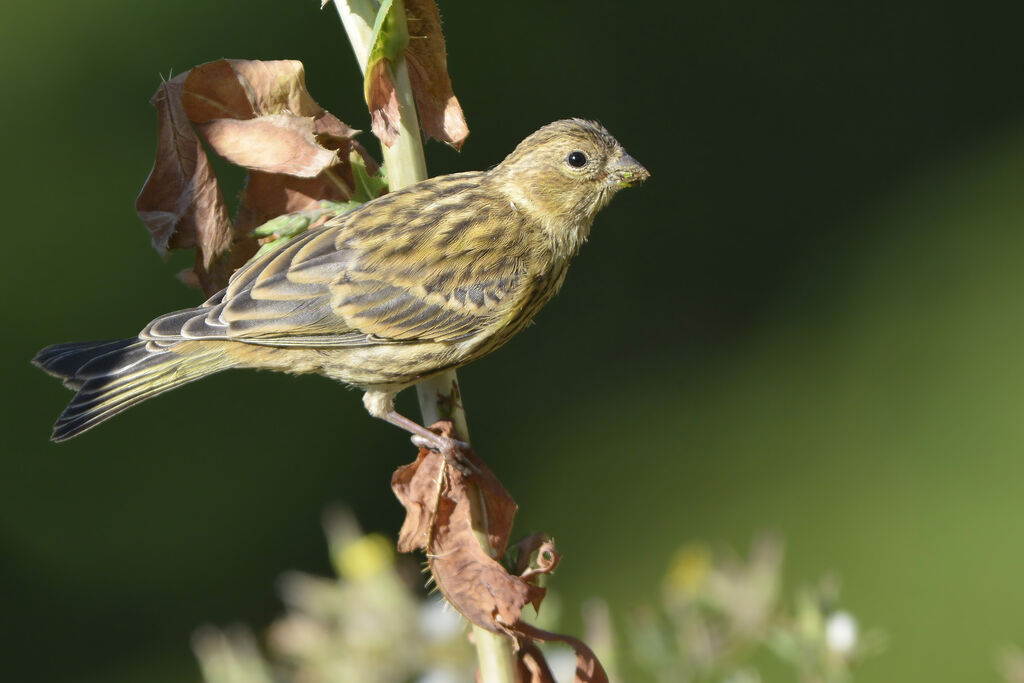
x,y
439,396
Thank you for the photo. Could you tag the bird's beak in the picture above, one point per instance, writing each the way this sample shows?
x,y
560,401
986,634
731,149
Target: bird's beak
x,y
627,172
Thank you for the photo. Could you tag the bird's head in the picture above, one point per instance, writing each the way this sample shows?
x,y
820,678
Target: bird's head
x,y
565,173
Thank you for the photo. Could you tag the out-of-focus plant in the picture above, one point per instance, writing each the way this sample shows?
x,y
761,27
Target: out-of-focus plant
x,y
367,625
1010,662
717,615
718,611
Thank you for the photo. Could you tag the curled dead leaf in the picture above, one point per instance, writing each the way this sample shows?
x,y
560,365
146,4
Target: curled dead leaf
x,y
420,40
440,113
331,132
181,203
213,91
382,99
276,143
441,503
533,668
387,43
276,87
588,668
260,116
438,502
269,195
535,556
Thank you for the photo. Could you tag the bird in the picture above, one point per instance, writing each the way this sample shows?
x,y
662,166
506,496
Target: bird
x,y
418,281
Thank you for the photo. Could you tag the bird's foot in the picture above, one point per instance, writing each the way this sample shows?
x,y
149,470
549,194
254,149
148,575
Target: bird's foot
x,y
451,449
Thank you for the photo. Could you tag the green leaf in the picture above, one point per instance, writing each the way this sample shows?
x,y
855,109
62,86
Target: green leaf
x,y
389,38
367,186
289,225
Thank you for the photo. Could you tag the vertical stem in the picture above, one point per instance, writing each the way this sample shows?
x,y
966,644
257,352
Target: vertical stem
x,y
357,16
439,396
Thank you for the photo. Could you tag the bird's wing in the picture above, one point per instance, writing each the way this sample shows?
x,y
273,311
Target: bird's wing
x,y
428,264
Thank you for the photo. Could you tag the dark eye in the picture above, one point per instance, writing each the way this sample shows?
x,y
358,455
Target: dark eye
x,y
576,159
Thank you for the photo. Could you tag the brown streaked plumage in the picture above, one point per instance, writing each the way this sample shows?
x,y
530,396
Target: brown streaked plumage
x,y
423,279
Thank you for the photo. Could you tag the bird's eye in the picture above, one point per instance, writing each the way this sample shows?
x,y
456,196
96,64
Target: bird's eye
x,y
576,159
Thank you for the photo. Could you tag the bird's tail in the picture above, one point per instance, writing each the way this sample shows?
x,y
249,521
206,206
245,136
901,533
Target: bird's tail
x,y
114,375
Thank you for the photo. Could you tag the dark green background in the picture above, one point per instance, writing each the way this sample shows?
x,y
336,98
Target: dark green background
x,y
809,320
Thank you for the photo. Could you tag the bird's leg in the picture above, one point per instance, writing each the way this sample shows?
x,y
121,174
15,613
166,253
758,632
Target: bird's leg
x,y
381,404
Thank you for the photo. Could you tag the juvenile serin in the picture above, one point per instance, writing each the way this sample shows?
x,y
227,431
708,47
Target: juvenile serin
x,y
421,280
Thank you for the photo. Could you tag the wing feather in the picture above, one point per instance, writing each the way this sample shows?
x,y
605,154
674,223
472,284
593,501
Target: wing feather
x,y
425,264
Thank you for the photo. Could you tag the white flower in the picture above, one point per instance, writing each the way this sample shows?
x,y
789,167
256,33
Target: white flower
x,y
841,633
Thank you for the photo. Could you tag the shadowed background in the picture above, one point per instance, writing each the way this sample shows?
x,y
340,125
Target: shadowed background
x,y
809,320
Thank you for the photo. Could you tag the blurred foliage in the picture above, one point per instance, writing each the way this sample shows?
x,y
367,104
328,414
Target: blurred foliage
x,y
1011,665
364,626
716,612
807,320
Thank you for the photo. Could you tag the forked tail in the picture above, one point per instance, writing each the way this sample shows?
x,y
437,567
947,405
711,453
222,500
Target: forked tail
x,y
114,375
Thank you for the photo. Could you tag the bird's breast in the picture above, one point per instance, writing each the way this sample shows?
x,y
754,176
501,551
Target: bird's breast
x,y
537,291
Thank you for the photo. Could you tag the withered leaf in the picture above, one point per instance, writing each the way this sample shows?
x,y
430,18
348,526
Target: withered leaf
x,y
268,195
439,520
419,37
533,668
545,561
213,278
275,143
332,132
382,99
439,502
588,668
440,113
388,41
213,91
181,202
276,87
258,115
245,89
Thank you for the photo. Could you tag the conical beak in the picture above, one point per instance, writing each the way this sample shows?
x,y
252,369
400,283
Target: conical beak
x,y
627,172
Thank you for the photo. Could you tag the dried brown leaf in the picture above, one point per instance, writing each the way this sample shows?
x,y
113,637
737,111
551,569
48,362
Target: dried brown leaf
x,y
331,131
275,143
258,115
268,195
213,278
439,503
546,560
588,668
181,203
439,520
276,87
533,668
383,103
245,89
213,91
440,113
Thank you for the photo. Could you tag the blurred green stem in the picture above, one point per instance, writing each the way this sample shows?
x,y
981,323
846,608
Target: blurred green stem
x,y
439,396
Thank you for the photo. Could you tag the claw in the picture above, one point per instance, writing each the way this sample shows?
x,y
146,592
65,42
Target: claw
x,y
423,442
451,449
